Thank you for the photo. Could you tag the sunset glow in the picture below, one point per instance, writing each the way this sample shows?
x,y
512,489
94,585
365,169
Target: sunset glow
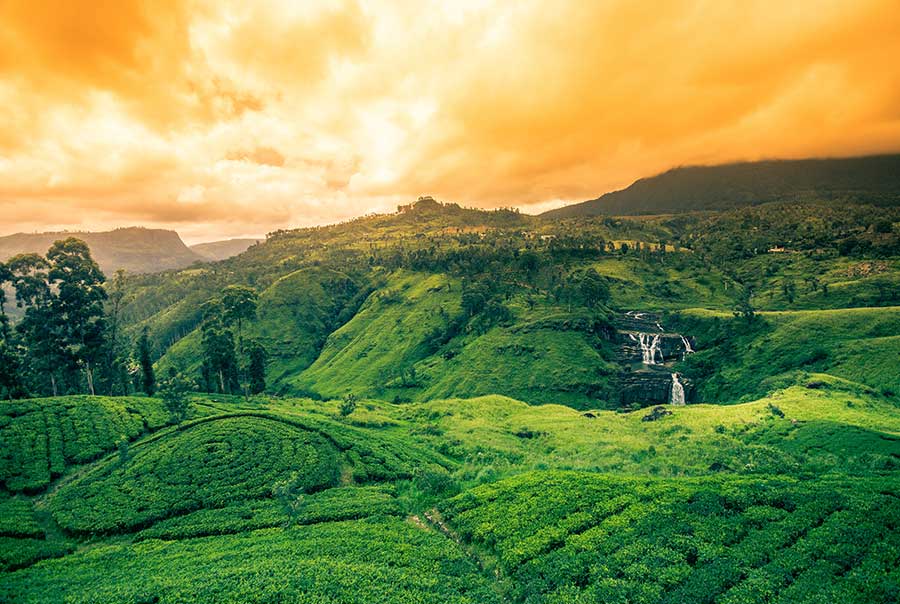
x,y
225,119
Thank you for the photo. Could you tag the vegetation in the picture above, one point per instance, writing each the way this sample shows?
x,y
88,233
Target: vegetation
x,y
428,406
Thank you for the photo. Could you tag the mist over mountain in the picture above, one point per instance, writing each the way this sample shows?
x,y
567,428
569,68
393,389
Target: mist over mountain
x,y
872,180
134,249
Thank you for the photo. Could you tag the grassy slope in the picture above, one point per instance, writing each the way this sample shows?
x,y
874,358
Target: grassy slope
x,y
736,361
393,349
387,336
294,316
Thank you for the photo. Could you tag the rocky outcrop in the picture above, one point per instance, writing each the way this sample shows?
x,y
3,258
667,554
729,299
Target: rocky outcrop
x,y
646,353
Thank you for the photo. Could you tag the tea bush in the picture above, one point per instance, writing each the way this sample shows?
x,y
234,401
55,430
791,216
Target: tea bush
x,y
208,464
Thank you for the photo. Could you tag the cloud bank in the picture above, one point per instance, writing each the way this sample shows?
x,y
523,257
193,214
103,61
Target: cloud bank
x,y
223,119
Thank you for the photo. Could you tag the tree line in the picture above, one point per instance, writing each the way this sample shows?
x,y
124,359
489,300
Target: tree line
x,y
70,339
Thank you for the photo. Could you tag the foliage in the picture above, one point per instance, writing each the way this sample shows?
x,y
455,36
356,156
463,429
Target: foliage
x,y
148,377
570,537
377,561
209,463
175,392
40,439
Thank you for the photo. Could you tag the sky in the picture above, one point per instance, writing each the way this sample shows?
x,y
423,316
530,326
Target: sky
x,y
223,119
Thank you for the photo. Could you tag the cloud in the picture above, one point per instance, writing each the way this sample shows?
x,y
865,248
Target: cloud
x,y
261,155
232,118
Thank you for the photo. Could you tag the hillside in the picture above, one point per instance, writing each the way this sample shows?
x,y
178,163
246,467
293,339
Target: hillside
x,y
376,307
467,406
462,500
867,180
133,249
221,250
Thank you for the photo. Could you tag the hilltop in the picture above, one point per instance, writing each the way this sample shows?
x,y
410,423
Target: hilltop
x,y
865,180
133,249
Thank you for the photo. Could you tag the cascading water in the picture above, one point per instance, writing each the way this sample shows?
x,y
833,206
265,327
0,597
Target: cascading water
x,y
649,348
687,347
677,396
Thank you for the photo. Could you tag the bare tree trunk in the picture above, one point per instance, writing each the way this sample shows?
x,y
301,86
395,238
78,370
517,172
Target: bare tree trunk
x,y
221,381
90,378
53,383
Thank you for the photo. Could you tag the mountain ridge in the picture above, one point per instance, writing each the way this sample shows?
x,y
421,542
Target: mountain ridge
x,y
133,249
872,179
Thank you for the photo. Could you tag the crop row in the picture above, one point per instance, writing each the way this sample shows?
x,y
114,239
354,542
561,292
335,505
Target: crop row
x,y
571,536
207,465
17,518
342,503
385,560
39,439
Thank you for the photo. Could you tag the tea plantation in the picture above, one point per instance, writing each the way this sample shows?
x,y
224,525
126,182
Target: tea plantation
x,y
462,500
574,537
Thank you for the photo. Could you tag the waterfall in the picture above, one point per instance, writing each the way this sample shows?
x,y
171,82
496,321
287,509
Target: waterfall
x,y
649,348
687,347
677,397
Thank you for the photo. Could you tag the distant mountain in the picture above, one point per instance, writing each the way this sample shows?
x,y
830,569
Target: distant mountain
x,y
220,250
134,249
873,179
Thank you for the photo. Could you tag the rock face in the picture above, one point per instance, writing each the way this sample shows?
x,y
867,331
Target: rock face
x,y
646,352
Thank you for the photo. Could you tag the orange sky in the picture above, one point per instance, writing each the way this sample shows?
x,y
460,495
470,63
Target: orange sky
x,y
222,119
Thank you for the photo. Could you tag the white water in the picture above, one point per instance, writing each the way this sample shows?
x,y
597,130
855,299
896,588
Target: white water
x,y
649,348
677,396
687,347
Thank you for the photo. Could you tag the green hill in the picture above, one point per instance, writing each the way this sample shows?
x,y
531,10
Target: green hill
x,y
867,180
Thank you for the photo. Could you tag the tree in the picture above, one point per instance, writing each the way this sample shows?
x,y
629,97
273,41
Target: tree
x,y
238,305
219,360
148,378
77,307
118,353
592,288
744,308
256,371
45,354
174,391
348,404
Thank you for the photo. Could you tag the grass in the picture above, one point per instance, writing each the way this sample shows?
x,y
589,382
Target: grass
x,y
737,361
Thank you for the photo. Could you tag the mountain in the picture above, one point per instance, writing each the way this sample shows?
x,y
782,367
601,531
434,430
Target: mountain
x,y
220,250
873,179
134,249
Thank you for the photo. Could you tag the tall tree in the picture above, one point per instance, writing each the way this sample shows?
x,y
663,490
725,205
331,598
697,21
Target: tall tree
x,y
78,304
38,329
145,359
219,361
256,371
238,305
10,381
